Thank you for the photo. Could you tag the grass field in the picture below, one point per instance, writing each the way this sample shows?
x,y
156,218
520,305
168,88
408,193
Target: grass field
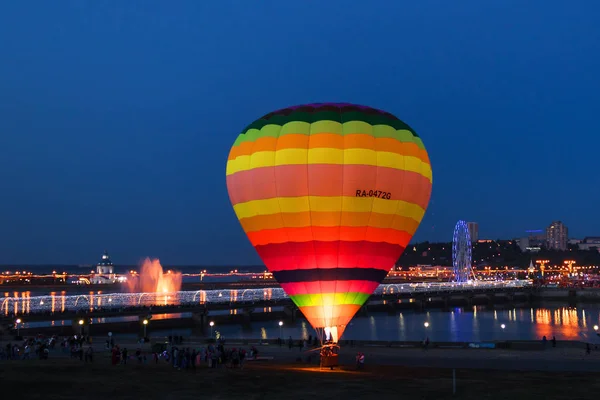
x,y
70,379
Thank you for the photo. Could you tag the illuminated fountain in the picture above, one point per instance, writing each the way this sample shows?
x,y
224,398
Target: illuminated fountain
x,y
152,280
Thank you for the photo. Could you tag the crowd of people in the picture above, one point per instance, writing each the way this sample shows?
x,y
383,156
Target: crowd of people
x,y
38,347
173,353
213,356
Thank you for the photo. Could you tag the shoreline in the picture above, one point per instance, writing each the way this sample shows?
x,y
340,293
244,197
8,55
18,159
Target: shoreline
x,y
531,346
554,373
567,356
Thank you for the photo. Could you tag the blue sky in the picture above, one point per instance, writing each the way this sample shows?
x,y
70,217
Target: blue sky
x,y
116,117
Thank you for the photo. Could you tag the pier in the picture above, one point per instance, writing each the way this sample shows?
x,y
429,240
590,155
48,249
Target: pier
x,y
195,309
243,296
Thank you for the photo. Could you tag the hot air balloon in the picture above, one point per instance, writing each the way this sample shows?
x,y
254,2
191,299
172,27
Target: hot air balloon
x,y
329,195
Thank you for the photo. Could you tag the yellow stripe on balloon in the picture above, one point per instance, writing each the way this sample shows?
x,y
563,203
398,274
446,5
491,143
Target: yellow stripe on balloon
x,y
328,204
328,156
329,219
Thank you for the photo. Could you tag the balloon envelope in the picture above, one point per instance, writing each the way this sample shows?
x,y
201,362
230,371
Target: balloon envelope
x,y
329,195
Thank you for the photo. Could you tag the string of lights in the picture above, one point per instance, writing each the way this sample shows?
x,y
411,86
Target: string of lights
x,y
55,303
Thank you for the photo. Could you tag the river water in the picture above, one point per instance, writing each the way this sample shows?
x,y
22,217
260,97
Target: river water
x,y
459,325
475,324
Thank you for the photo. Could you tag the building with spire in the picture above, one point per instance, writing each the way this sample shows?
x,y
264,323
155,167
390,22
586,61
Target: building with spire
x,y
105,270
531,269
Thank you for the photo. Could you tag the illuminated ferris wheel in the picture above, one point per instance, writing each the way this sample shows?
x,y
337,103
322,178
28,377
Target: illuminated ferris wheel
x,y
461,253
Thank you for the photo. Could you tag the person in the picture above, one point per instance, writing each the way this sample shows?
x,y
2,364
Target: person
x,y
588,349
124,356
242,358
89,354
193,359
553,341
115,355
235,358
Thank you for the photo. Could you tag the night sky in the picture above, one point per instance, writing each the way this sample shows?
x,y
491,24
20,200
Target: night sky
x,y
116,117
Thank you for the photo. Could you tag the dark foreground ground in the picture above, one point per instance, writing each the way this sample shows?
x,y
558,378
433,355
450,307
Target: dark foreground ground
x,y
70,379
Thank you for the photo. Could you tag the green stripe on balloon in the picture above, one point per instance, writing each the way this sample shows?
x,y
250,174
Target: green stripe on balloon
x,y
309,300
349,127
372,119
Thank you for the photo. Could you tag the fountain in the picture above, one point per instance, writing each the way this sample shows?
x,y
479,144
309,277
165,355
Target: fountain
x,y
153,279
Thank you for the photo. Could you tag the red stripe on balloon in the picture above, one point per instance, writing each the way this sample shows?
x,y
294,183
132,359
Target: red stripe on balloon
x,y
335,254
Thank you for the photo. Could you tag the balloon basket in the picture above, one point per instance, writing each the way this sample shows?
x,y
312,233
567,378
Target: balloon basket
x,y
330,361
330,356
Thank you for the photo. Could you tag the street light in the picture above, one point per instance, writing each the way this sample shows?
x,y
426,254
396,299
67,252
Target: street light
x,y
81,322
281,329
569,264
595,327
18,322
542,265
426,324
211,323
145,322
502,326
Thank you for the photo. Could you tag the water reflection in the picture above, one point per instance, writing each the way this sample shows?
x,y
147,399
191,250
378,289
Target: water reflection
x,y
373,326
304,327
477,324
531,314
401,322
474,325
453,328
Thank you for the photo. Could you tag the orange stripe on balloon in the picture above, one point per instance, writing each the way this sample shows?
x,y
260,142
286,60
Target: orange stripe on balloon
x,y
267,143
329,234
294,141
316,218
328,140
333,315
327,180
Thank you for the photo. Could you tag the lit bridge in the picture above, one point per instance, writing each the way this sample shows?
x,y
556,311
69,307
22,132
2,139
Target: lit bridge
x,y
81,302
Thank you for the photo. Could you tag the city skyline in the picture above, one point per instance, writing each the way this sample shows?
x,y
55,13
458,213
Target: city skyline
x,y
116,120
584,243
